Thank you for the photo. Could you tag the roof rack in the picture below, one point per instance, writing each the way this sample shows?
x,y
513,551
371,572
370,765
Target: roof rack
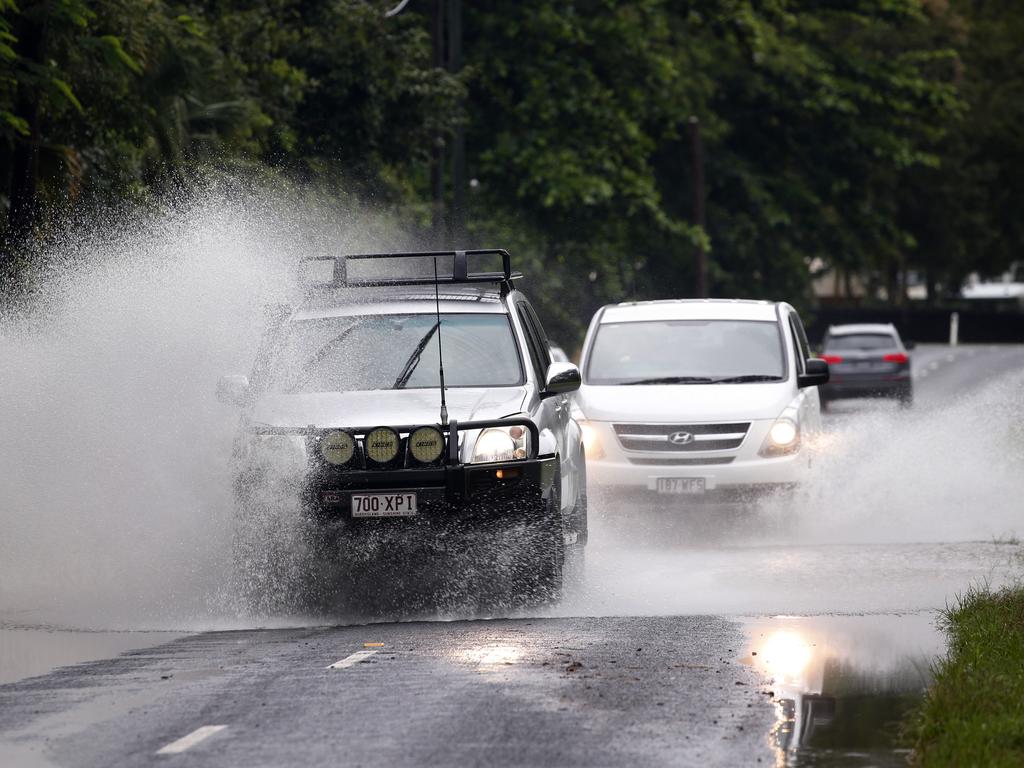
x,y
459,274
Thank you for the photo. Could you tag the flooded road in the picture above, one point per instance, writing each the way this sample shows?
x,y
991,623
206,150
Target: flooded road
x,y
795,633
27,652
843,684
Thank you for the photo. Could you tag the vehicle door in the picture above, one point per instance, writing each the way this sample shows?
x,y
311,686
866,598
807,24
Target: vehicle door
x,y
551,413
810,405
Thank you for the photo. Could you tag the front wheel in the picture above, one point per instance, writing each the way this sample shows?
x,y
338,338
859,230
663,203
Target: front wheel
x,y
551,544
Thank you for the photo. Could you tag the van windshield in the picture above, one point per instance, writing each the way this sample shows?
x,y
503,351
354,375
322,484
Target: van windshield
x,y
686,352
366,352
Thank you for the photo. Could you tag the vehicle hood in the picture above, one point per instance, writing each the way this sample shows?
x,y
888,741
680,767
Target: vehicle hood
x,y
395,407
685,403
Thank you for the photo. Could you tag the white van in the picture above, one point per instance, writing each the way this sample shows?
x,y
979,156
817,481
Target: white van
x,y
698,398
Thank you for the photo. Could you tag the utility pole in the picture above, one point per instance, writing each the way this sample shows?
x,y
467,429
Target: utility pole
x,y
437,151
455,229
457,215
697,194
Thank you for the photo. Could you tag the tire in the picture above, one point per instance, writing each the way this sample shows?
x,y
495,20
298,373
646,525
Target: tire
x,y
906,398
578,522
551,545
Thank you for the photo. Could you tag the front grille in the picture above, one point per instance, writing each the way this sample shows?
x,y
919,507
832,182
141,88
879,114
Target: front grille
x,y
670,462
702,437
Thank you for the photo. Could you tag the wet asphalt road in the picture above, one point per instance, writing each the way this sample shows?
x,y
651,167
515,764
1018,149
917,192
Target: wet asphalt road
x,y
570,692
653,690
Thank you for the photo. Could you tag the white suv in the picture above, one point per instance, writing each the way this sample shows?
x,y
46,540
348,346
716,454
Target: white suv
x,y
698,398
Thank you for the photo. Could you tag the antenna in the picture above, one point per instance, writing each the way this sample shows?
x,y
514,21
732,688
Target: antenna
x,y
440,355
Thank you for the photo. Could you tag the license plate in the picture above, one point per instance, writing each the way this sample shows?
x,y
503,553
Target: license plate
x,y
383,504
681,486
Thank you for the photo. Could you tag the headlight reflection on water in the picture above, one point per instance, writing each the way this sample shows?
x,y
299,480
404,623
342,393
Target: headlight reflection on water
x,y
492,654
786,656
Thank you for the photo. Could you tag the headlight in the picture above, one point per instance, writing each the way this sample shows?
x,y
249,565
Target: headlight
x,y
783,433
591,442
426,445
501,444
783,438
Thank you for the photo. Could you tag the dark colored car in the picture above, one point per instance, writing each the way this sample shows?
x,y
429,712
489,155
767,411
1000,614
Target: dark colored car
x,y
867,360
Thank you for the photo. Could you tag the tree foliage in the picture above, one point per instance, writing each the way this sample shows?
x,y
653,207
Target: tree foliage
x,y
870,137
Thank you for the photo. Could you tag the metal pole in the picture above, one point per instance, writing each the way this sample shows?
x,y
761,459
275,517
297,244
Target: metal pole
x,y
457,215
697,193
437,151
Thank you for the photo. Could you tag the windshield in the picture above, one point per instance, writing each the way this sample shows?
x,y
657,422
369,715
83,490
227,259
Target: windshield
x,y
861,341
354,353
686,352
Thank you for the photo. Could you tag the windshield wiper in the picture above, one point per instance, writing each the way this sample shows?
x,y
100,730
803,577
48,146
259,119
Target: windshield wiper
x,y
671,380
414,358
746,379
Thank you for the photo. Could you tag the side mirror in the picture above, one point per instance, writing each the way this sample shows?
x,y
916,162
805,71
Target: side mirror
x,y
561,378
233,390
815,373
909,345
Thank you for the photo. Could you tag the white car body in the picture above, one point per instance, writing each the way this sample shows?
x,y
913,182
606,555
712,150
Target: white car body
x,y
629,428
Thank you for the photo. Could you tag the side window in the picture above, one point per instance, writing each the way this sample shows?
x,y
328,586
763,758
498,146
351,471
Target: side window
x,y
800,345
542,338
532,343
801,334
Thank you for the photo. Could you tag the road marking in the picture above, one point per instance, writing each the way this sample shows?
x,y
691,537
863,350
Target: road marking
x,y
186,742
355,658
373,645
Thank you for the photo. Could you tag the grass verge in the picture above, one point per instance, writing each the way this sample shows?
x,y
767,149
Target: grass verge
x,y
973,715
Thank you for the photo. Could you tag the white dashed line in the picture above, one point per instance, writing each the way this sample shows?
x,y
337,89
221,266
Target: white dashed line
x,y
186,742
355,658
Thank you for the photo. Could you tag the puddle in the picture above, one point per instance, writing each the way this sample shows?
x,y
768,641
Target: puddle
x,y
843,684
31,651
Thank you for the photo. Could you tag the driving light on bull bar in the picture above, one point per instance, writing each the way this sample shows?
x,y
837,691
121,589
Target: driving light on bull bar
x,y
381,445
426,445
337,448
501,444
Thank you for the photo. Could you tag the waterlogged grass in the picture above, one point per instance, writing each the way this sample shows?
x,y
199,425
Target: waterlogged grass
x,y
974,713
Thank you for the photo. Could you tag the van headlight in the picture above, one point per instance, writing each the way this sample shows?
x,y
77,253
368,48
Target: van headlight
x,y
591,442
501,444
783,438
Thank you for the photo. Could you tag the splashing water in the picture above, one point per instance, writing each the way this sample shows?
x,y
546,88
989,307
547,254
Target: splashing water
x,y
948,473
114,497
115,490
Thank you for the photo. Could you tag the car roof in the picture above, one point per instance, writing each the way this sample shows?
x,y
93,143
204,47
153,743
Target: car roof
x,y
690,309
401,300
887,329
